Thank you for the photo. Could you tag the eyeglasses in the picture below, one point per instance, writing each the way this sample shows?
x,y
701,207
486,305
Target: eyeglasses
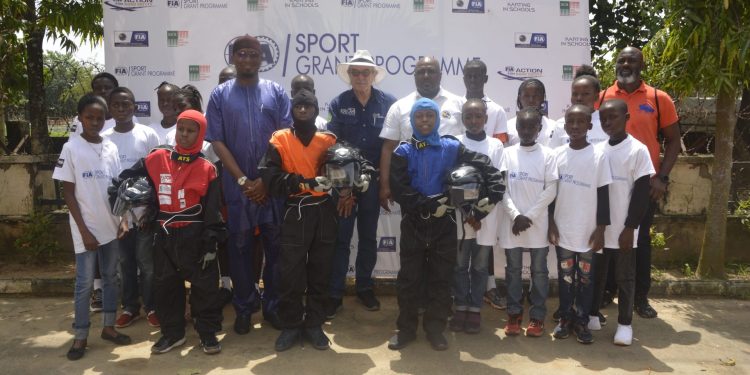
x,y
247,54
360,73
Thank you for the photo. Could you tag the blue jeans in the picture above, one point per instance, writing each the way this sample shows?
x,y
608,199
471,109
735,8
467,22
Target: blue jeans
x,y
575,276
241,248
539,281
85,264
366,213
471,275
137,253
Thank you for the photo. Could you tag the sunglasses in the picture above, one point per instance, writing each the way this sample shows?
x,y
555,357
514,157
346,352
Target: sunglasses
x,y
360,73
247,54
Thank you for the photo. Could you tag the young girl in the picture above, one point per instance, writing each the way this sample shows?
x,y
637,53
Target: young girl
x,y
189,227
531,93
85,168
584,90
164,93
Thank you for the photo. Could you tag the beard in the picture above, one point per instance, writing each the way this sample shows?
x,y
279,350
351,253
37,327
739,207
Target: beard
x,y
627,80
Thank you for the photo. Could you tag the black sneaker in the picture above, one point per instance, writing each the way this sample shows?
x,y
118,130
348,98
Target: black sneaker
x,y
333,306
602,319
583,334
287,339
210,343
96,301
166,344
368,299
242,324
562,331
398,341
316,337
645,310
556,316
437,341
225,294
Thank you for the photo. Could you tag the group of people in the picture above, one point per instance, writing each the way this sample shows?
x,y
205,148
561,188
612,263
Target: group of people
x,y
256,188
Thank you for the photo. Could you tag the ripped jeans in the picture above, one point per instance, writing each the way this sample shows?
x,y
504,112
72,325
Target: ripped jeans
x,y
575,277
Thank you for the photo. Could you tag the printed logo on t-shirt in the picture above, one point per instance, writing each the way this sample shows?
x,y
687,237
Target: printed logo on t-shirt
x,y
445,114
348,111
523,176
569,179
646,108
60,163
165,178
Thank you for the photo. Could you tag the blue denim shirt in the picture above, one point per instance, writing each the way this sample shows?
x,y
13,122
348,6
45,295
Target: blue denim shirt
x,y
360,126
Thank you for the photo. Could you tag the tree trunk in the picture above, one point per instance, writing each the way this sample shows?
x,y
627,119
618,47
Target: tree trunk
x,y
34,36
711,262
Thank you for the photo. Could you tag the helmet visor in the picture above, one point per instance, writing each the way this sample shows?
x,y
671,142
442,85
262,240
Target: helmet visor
x,y
341,176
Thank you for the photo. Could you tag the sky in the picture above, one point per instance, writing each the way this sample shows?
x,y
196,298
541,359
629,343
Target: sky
x,y
86,52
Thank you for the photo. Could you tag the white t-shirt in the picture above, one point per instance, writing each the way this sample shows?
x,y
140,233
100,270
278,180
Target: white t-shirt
x,y
133,145
91,168
497,120
629,160
162,132
594,136
493,148
207,149
77,128
531,187
397,124
580,173
321,123
548,126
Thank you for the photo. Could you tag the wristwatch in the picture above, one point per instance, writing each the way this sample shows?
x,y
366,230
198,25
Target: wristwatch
x,y
664,178
241,181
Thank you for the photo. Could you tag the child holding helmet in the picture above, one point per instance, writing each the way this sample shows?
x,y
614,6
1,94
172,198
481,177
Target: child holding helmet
x,y
477,237
293,168
428,230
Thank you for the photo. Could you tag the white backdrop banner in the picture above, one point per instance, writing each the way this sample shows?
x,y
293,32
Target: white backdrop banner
x,y
189,41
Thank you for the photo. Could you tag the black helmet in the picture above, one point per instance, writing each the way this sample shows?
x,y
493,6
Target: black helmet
x,y
133,192
465,185
341,166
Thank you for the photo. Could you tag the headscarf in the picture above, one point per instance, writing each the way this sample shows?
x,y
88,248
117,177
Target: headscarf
x,y
246,41
305,97
432,139
199,119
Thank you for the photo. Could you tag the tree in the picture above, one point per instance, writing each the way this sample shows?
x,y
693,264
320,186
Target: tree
x,y
65,80
57,20
705,47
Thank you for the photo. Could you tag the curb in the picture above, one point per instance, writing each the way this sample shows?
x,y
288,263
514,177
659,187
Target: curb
x,y
739,289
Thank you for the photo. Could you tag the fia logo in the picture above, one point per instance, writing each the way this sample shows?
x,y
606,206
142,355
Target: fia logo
x,y
173,3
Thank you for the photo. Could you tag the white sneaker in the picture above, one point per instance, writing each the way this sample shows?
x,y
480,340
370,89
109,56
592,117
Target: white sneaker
x,y
624,335
594,324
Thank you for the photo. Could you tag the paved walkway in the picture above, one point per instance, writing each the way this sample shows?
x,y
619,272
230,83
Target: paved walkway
x,y
691,336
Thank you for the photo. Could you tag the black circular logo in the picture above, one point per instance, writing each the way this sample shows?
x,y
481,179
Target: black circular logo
x,y
268,47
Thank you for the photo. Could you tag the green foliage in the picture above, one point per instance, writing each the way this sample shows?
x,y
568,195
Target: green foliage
x,y
66,80
658,240
687,270
739,269
743,211
37,243
616,24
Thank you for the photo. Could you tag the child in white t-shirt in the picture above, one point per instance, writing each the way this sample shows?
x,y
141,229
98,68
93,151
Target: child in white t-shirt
x,y
86,166
581,212
628,199
478,236
531,94
134,141
584,90
164,94
532,186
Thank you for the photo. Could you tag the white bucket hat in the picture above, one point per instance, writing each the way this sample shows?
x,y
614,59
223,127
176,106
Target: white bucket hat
x,y
361,58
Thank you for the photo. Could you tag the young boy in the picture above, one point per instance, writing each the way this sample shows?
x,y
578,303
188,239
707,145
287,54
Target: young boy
x,y
134,141
164,94
428,231
532,186
478,236
581,211
475,78
86,165
628,199
290,168
189,227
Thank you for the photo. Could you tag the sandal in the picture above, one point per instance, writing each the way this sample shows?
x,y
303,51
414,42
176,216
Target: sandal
x,y
118,339
74,353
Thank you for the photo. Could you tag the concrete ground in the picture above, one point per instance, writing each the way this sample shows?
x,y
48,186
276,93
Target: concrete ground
x,y
691,336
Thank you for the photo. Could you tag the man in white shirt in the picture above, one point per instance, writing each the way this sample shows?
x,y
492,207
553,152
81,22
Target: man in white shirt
x,y
397,126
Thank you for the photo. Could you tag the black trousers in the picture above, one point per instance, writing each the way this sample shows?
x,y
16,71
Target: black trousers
x,y
625,278
643,256
428,250
308,239
177,257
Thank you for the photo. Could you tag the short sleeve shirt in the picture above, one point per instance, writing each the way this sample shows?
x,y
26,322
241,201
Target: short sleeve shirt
x,y
642,107
397,125
595,135
544,137
497,120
